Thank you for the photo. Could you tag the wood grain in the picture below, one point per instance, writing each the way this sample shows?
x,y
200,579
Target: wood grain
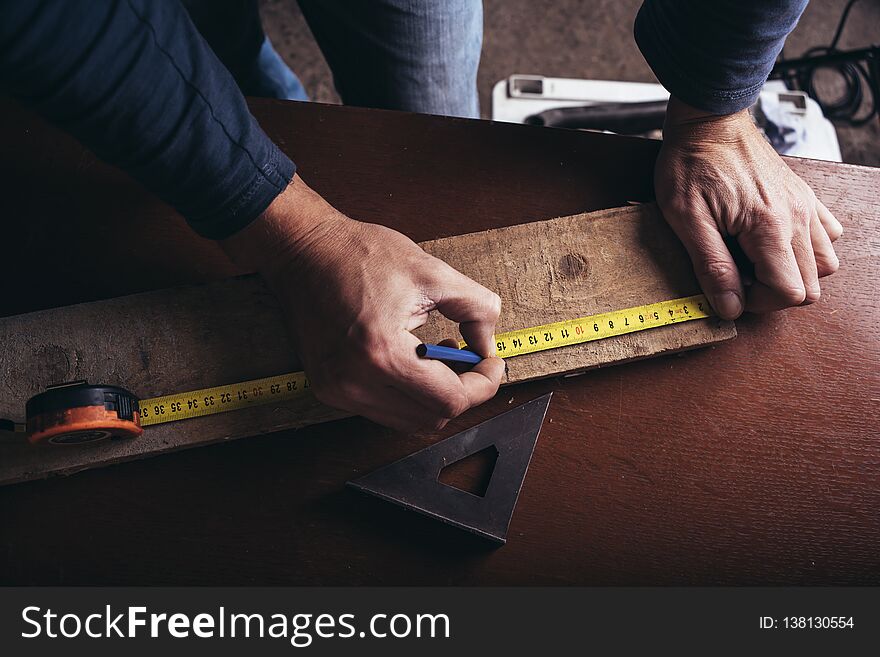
x,y
194,337
575,266
756,462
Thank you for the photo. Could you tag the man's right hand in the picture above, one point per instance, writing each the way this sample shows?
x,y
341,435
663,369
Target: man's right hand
x,y
352,293
718,177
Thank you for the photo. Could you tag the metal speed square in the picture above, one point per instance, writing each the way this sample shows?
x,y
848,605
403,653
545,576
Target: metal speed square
x,y
413,481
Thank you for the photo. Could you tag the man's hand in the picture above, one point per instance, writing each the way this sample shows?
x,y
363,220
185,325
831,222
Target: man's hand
x,y
352,293
717,177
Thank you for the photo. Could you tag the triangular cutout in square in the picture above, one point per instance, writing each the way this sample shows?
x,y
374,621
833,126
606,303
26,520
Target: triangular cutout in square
x,y
472,473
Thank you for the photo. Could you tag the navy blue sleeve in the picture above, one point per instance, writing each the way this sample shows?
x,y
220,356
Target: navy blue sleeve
x,y
715,54
134,81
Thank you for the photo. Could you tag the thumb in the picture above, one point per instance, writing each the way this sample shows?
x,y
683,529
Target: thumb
x,y
713,263
474,307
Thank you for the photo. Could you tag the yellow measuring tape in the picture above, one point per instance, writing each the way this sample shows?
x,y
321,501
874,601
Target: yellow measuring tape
x,y
284,387
604,325
208,401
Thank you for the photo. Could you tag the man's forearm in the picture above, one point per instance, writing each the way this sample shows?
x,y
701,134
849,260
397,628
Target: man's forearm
x,y
136,83
715,56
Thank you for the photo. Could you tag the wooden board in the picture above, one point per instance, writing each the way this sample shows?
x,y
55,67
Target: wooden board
x,y
200,336
575,266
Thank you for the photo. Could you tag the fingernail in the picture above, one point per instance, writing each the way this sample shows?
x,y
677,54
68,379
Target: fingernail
x,y
728,305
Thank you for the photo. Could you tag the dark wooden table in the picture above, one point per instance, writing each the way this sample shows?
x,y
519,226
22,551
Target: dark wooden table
x,y
756,462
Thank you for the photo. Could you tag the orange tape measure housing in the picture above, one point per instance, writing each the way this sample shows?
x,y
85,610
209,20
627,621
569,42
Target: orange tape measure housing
x,y
76,413
81,425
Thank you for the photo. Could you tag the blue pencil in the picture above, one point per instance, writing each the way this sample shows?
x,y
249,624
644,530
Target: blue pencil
x,y
448,353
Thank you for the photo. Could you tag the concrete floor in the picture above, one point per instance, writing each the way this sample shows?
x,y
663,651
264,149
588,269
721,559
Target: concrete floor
x,y
580,39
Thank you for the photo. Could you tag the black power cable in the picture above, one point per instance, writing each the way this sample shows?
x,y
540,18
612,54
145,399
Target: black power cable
x,y
859,71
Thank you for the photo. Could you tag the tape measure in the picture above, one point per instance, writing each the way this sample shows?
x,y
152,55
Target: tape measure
x,y
221,399
76,412
599,327
79,413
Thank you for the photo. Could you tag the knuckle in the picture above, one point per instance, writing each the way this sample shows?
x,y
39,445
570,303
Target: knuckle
x,y
374,354
454,405
801,211
358,332
677,208
716,270
812,295
493,304
807,195
793,296
770,218
795,219
827,263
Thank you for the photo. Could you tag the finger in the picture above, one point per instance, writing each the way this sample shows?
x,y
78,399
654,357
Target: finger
x,y
802,247
458,368
778,277
482,381
434,385
826,259
713,264
474,307
761,298
475,386
429,382
829,222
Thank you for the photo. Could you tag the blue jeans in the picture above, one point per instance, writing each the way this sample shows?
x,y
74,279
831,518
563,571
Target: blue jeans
x,y
414,55
270,77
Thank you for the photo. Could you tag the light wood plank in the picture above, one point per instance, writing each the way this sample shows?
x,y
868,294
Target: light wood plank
x,y
575,266
199,336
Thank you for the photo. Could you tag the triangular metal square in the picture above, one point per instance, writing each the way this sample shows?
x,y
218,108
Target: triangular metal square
x,y
413,482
